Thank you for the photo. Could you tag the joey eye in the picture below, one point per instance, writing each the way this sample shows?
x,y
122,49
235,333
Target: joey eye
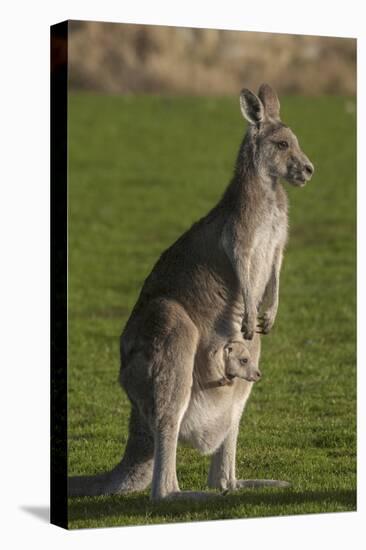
x,y
243,361
282,145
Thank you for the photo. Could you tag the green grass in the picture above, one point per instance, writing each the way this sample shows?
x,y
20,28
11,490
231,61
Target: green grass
x,y
142,169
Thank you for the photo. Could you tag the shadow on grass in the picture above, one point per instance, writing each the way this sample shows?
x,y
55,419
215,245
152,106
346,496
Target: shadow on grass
x,y
221,507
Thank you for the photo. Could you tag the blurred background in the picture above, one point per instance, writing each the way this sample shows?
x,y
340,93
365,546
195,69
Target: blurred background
x,y
125,58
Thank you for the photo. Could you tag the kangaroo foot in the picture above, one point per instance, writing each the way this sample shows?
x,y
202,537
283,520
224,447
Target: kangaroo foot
x,y
258,483
189,495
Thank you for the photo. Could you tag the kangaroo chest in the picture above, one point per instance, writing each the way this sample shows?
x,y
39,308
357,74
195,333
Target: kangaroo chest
x,y
268,240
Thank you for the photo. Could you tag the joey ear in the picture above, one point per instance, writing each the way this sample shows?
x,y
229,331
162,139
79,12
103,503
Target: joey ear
x,y
270,101
251,107
228,349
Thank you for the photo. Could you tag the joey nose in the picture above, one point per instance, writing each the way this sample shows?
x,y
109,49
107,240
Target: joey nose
x,y
255,376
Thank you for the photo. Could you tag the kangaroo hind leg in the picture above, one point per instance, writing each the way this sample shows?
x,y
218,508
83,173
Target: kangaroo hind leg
x,y
175,348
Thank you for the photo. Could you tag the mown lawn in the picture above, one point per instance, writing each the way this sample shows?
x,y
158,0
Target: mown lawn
x,y
142,169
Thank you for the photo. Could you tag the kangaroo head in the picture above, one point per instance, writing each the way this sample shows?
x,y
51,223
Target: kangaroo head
x,y
277,152
238,362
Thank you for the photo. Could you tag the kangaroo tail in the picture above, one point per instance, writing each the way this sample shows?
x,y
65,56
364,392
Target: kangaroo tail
x,y
133,473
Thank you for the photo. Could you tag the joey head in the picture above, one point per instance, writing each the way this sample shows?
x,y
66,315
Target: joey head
x,y
238,363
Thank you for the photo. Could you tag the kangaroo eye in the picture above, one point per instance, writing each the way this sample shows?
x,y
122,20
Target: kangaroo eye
x,y
243,361
282,144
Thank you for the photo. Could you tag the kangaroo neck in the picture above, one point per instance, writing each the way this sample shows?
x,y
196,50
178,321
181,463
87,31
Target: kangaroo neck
x,y
249,180
253,181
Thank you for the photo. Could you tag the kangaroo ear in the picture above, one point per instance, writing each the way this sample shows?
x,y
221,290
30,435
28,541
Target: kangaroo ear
x,y
251,107
228,349
270,101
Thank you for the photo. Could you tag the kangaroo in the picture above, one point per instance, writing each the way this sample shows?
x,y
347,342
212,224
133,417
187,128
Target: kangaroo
x,y
236,361
220,278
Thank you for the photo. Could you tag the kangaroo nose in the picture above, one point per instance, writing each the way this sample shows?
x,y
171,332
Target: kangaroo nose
x,y
309,169
258,375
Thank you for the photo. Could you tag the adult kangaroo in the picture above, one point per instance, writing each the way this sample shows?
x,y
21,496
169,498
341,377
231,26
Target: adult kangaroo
x,y
218,279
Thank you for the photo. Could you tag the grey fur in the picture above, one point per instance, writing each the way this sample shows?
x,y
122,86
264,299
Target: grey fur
x,y
218,278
